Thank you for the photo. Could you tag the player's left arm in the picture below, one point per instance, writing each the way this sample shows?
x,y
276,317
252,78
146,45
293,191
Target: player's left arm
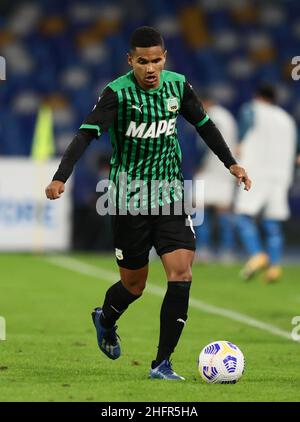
x,y
193,111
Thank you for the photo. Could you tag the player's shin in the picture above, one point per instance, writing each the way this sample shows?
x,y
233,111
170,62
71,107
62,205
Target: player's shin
x,y
173,317
117,300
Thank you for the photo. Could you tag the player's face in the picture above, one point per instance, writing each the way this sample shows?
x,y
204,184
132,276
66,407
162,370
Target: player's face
x,y
147,64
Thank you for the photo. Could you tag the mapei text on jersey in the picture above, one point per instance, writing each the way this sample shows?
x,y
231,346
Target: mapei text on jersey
x,y
154,130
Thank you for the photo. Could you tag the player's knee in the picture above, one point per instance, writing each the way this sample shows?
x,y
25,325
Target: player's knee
x,y
137,289
182,274
134,280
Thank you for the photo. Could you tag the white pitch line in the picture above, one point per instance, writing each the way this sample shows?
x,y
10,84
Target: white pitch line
x,y
112,276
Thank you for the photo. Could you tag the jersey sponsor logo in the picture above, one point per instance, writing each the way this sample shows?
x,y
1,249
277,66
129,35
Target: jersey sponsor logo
x,y
154,130
119,254
172,104
139,108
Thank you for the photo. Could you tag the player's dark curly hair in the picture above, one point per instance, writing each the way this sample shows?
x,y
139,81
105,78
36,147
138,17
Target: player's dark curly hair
x,y
146,36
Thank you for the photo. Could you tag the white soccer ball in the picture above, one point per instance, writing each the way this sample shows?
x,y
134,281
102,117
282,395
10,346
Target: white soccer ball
x,y
221,362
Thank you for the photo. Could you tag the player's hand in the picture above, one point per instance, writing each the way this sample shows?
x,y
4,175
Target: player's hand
x,y
55,189
241,175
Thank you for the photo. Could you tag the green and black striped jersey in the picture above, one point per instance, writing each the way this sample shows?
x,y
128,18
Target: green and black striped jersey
x,y
142,126
142,129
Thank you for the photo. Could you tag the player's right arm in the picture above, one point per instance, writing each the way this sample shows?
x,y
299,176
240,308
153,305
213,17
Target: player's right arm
x,y
97,122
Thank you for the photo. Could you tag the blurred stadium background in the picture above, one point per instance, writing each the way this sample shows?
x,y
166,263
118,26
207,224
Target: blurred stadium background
x,y
60,55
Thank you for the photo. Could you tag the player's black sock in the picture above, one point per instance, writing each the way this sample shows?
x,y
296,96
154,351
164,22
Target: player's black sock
x,y
117,300
173,316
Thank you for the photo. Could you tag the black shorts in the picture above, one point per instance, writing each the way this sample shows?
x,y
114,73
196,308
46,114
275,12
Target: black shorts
x,y
134,236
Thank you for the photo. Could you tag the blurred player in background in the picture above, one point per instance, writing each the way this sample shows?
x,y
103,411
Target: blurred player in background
x,y
268,141
218,190
139,110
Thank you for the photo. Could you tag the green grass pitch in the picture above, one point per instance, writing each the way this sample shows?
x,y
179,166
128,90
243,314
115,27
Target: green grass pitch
x,y
51,354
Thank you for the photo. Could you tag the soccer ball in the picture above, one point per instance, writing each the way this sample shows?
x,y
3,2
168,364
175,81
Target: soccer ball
x,y
221,362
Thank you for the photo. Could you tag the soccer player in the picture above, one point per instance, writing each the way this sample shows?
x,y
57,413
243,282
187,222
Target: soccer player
x,y
139,110
268,145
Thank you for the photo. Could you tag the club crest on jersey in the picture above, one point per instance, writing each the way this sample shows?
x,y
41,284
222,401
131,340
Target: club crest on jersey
x,y
172,104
